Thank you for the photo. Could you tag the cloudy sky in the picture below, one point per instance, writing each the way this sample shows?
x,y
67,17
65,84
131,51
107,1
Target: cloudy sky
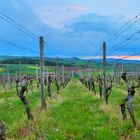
x,y
71,28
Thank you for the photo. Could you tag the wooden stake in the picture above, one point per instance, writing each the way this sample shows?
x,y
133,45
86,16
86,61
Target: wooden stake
x,y
43,100
104,69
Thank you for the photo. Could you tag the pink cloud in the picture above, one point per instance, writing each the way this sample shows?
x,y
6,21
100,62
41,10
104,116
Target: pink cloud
x,y
129,57
116,57
125,57
77,7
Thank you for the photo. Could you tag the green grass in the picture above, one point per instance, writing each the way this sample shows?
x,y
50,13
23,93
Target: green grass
x,y
24,69
12,111
77,114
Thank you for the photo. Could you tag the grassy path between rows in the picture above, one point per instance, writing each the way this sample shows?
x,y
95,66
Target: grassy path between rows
x,y
77,114
74,115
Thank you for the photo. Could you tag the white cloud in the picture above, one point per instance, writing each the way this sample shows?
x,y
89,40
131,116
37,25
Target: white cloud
x,y
57,13
57,16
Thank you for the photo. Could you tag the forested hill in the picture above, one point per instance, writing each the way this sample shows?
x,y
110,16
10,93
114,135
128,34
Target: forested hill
x,y
49,61
35,60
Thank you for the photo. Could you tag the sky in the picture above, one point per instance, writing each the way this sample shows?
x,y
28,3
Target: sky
x,y
71,28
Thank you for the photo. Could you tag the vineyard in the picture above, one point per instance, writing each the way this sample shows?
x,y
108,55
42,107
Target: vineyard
x,y
69,70
75,110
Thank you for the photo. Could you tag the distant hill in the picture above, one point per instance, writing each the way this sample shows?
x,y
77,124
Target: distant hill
x,y
73,61
35,60
113,60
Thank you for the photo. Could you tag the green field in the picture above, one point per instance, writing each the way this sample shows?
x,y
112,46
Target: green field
x,y
75,114
23,69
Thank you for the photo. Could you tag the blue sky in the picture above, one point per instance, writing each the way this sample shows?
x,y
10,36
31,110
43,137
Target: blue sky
x,y
71,28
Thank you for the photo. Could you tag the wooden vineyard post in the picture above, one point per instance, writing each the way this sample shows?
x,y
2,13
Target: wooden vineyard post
x,y
20,69
72,75
4,78
122,69
16,75
85,69
117,73
42,91
104,70
8,77
88,69
37,72
63,79
57,67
